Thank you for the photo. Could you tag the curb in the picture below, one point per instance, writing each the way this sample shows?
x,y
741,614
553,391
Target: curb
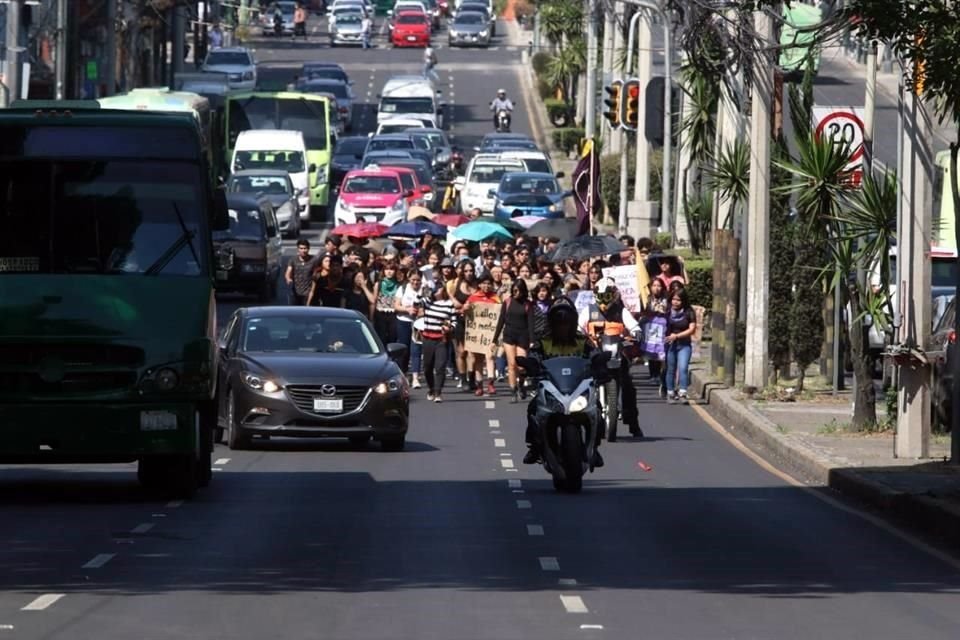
x,y
924,513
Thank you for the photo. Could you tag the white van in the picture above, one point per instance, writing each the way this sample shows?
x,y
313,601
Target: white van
x,y
276,149
410,97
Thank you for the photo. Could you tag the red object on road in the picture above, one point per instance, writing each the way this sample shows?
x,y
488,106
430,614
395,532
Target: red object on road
x,y
361,230
450,219
643,465
411,29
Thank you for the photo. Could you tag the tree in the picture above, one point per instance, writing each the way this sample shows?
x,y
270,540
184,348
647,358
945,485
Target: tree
x,y
781,266
806,337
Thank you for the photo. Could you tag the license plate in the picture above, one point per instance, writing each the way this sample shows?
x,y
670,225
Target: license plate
x,y
222,275
328,405
158,421
412,38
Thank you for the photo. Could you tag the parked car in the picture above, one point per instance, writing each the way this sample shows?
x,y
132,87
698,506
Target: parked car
x,y
248,253
469,28
373,195
528,194
410,29
277,187
341,91
309,372
237,62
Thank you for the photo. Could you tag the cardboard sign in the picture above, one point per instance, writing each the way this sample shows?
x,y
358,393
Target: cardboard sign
x,y
697,336
626,278
582,298
481,323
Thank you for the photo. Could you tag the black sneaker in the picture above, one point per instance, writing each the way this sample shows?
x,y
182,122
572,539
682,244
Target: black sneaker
x,y
636,431
532,456
597,460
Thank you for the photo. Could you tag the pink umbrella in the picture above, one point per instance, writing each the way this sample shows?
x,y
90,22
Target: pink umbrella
x,y
450,219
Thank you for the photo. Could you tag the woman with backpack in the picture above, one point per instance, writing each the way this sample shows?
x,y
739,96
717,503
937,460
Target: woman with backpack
x,y
516,325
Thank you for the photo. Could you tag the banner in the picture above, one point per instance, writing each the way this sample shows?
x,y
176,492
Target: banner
x,y
481,323
626,278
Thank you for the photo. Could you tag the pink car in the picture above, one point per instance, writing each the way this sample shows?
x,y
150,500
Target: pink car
x,y
372,195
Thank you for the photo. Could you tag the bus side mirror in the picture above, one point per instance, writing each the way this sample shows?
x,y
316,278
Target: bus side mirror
x,y
221,213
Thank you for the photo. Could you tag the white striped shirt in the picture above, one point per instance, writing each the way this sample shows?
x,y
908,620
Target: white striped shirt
x,y
435,315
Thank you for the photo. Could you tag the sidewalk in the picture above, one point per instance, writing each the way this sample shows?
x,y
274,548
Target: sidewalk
x,y
808,439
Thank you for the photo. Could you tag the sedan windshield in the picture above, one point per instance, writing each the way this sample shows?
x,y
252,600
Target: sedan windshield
x,y
410,19
471,17
390,143
233,58
293,334
246,224
372,184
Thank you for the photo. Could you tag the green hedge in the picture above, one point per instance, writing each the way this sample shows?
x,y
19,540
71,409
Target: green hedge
x,y
545,90
610,178
540,61
555,108
700,282
567,139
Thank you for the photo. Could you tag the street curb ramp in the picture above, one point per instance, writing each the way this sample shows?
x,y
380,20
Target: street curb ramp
x,y
924,513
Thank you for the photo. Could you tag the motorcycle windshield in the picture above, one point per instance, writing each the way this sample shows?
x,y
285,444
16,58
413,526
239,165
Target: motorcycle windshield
x,y
567,373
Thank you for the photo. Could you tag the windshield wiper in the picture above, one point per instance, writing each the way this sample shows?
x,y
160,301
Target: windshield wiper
x,y
186,238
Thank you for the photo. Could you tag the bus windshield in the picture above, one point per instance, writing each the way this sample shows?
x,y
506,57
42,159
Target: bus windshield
x,y
101,217
295,114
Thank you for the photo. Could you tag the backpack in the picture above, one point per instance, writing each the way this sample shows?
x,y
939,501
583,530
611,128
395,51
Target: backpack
x,y
540,325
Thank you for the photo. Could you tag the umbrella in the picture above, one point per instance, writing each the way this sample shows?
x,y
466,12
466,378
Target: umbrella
x,y
416,229
583,247
450,219
511,225
561,228
480,230
527,221
419,212
361,229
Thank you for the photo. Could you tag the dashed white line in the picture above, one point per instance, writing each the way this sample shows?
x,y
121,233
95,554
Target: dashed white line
x,y
158,515
220,461
514,484
506,455
549,563
506,463
489,404
574,604
567,582
518,491
43,602
494,424
499,443
523,504
142,528
6,627
592,627
99,560
534,530
173,504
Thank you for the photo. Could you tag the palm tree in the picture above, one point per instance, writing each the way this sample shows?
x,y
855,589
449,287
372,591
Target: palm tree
x,y
729,177
564,67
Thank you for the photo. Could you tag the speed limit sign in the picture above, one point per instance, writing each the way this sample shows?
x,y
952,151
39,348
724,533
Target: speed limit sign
x,y
843,126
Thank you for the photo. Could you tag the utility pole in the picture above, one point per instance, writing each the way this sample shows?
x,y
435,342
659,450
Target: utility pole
x,y
179,40
60,63
758,225
641,212
869,107
684,180
590,105
12,79
912,439
109,74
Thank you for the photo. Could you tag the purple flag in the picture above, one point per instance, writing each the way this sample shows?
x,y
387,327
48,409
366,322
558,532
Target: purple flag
x,y
586,187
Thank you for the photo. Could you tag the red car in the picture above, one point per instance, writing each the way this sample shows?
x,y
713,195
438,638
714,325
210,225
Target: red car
x,y
411,29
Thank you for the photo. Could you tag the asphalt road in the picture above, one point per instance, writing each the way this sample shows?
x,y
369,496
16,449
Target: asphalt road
x,y
454,538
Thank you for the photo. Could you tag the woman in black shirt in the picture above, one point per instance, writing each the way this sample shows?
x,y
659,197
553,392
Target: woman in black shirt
x,y
516,325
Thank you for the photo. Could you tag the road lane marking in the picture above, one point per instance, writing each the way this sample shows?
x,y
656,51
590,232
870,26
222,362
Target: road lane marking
x,y
489,404
6,627
534,530
574,604
173,504
505,455
591,627
99,560
523,504
514,484
499,443
910,539
549,563
221,461
567,582
506,463
142,528
158,515
494,424
43,602
518,491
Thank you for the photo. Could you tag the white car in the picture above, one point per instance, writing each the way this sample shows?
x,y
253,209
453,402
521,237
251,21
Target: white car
x,y
535,161
483,174
237,63
398,125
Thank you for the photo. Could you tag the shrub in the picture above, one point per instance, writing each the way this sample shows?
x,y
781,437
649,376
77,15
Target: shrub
x,y
540,61
545,89
556,109
567,139
700,283
610,178
664,240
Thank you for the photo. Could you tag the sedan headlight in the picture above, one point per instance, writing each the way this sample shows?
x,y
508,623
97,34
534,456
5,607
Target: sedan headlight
x,y
454,34
392,385
344,206
580,404
399,205
259,383
483,34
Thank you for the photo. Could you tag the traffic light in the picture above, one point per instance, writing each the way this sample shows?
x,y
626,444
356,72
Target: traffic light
x,y
630,110
612,112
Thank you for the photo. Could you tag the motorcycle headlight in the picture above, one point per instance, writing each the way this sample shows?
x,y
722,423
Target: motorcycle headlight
x,y
580,404
260,383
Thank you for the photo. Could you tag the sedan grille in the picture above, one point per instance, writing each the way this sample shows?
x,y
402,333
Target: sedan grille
x,y
303,395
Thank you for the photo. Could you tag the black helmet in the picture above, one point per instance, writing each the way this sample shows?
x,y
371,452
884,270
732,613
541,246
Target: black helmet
x,y
562,311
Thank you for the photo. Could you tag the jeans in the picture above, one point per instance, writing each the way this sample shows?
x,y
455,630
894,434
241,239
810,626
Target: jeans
x,y
416,355
428,71
366,39
678,361
435,364
404,337
628,396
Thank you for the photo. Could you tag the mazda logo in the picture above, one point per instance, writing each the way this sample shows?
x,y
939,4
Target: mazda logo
x,y
328,390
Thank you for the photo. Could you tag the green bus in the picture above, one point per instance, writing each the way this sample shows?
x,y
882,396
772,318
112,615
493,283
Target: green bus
x,y
108,351
291,111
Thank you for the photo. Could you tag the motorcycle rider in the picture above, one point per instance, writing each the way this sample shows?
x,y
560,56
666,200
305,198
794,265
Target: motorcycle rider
x,y
501,103
562,340
607,316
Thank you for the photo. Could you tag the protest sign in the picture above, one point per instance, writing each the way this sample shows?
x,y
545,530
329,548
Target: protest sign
x,y
698,332
626,278
481,323
582,299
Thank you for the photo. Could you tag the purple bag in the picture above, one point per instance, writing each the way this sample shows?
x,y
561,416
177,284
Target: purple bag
x,y
654,332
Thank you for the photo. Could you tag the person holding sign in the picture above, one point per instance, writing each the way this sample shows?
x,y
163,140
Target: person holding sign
x,y
476,361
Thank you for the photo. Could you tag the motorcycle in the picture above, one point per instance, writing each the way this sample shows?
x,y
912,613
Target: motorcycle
x,y
503,121
456,162
610,392
567,416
